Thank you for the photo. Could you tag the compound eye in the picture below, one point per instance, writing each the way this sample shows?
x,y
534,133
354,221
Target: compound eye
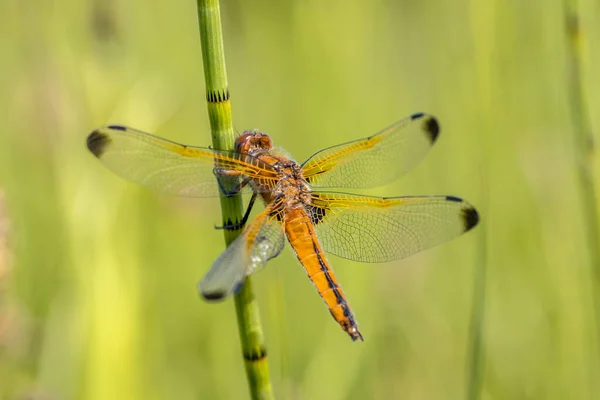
x,y
265,142
243,142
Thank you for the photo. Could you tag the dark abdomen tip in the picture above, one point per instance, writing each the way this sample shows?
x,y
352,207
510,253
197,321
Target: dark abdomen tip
x,y
470,217
97,143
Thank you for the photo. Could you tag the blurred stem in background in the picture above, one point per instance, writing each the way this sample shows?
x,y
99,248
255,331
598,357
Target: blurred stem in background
x,y
482,24
584,146
219,111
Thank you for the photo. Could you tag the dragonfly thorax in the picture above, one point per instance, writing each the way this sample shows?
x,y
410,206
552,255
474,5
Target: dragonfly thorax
x,y
292,192
292,188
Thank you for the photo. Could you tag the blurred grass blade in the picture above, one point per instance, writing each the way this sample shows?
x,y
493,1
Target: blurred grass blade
x,y
484,30
583,140
475,362
223,137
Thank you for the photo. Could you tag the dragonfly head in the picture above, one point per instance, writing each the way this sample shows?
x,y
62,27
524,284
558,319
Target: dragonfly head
x,y
253,140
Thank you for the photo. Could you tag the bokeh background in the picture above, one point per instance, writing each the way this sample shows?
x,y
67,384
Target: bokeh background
x,y
97,275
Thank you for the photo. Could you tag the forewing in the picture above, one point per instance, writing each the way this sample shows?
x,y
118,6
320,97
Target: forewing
x,y
381,229
170,167
376,160
262,240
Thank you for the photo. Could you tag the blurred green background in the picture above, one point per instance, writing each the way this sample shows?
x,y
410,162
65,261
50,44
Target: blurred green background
x,y
97,275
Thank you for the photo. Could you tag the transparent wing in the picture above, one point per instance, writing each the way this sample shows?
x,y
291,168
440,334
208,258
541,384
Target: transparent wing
x,y
381,229
376,160
262,240
170,167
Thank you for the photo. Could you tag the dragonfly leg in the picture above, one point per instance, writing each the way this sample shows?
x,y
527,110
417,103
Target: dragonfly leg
x,y
229,173
241,223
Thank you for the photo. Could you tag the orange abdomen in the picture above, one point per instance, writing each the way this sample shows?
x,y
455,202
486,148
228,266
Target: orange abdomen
x,y
301,236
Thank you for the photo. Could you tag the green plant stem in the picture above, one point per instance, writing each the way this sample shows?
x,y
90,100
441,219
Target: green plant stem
x,y
583,139
223,137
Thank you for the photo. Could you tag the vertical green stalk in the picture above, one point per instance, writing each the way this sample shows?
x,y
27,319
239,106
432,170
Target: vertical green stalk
x,y
476,336
583,150
483,25
223,137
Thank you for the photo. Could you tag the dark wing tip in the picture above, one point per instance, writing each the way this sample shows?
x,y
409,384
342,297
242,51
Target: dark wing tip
x,y
430,125
470,217
454,198
431,128
214,296
118,127
97,142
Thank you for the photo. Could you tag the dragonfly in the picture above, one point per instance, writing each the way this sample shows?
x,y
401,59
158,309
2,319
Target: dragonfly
x,y
303,202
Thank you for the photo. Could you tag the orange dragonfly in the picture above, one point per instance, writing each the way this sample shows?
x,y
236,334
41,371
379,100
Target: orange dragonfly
x,y
298,205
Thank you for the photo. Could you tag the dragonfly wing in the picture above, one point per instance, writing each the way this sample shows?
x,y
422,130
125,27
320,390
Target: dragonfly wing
x,y
170,167
376,160
381,229
262,240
